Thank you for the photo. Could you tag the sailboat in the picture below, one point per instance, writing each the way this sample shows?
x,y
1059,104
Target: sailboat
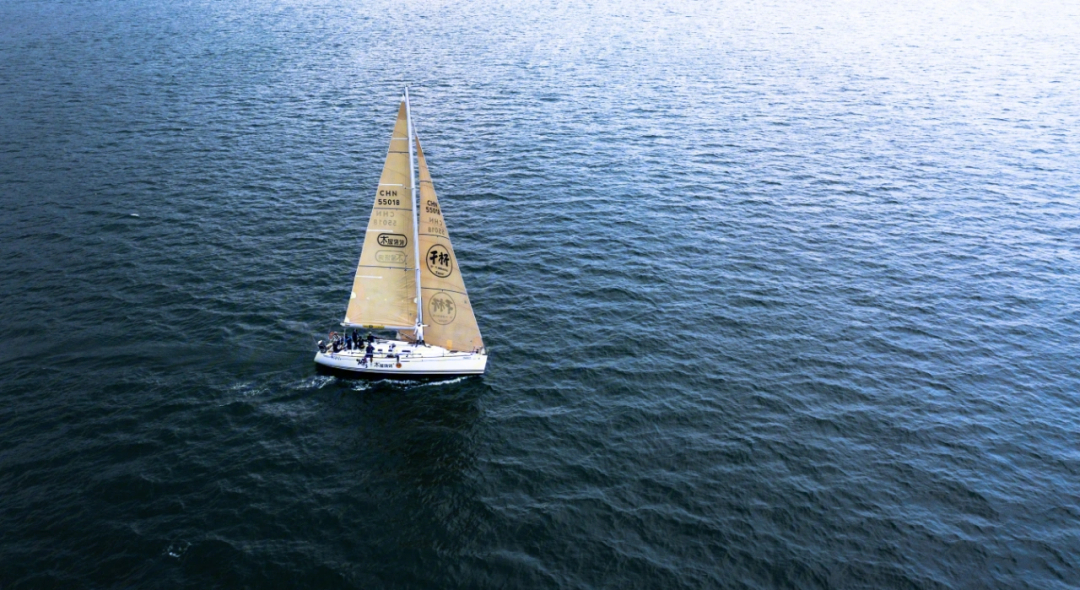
x,y
407,281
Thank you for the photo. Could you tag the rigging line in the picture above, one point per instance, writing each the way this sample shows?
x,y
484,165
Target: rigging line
x,y
386,267
447,290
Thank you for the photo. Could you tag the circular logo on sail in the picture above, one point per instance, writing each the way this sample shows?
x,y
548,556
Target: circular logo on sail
x,y
438,261
441,308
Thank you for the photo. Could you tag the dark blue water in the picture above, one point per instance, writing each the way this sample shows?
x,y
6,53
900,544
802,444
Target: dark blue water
x,y
776,295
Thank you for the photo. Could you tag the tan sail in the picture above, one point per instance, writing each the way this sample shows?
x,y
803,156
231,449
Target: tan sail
x,y
447,312
384,288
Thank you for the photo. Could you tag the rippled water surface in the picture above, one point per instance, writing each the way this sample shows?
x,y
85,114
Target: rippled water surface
x,y
777,295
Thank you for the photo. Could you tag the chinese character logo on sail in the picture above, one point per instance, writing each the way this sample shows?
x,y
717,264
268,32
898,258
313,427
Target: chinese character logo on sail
x,y
394,240
441,308
390,257
438,261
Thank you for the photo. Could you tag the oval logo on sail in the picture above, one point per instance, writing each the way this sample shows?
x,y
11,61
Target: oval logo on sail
x,y
441,308
390,257
438,261
393,240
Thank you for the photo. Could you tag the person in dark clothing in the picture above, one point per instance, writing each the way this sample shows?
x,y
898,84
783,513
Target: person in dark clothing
x,y
370,353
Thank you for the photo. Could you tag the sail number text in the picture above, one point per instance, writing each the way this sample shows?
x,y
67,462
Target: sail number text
x,y
388,198
384,219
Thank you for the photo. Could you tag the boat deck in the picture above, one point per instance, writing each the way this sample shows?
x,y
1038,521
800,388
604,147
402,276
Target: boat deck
x,y
401,359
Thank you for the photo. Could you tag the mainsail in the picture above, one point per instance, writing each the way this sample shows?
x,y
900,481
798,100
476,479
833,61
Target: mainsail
x,y
384,289
448,315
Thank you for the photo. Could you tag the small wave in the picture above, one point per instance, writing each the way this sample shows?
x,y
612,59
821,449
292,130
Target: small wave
x,y
441,383
177,549
316,382
249,388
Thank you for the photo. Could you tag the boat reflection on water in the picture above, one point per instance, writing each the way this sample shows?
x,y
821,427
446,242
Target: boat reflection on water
x,y
415,479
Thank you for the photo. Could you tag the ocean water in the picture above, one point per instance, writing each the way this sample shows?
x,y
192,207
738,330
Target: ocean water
x,y
777,295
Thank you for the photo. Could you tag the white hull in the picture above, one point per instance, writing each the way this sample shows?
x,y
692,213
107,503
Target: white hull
x,y
404,360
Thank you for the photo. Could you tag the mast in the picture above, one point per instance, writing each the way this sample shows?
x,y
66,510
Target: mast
x,y
416,221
